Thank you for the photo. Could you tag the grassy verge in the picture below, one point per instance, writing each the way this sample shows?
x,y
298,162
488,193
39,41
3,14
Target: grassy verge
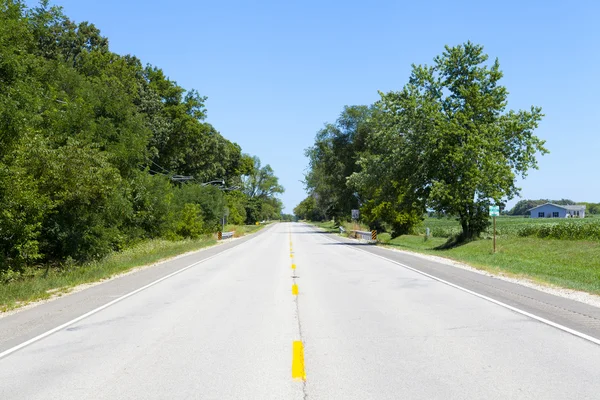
x,y
573,264
329,226
39,284
241,230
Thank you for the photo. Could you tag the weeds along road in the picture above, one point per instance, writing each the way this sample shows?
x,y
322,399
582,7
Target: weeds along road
x,y
292,313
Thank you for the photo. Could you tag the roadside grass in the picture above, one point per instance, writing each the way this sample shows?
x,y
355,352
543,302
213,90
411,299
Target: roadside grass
x,y
241,230
38,284
329,226
572,264
325,225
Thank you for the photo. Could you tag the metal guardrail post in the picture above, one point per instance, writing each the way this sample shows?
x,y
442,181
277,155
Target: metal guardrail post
x,y
225,235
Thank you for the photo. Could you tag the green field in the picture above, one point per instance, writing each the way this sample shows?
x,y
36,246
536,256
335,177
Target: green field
x,y
505,225
573,264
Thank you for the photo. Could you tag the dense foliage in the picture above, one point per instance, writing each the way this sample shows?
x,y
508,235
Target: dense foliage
x,y
98,151
445,142
333,158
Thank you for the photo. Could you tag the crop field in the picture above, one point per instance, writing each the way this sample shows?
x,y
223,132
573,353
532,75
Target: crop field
x,y
551,228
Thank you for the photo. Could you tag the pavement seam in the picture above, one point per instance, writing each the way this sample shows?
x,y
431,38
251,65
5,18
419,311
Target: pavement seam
x,y
299,322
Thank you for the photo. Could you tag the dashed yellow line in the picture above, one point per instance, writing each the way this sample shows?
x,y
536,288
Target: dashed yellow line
x,y
295,289
293,266
298,372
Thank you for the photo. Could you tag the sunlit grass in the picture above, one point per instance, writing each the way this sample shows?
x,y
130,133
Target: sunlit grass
x,y
38,284
566,263
573,264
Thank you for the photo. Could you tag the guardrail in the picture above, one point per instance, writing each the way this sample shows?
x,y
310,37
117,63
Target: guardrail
x,y
365,235
224,235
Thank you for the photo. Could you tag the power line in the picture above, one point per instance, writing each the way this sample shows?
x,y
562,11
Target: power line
x,y
164,169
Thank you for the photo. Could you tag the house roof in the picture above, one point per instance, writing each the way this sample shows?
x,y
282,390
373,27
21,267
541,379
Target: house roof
x,y
569,208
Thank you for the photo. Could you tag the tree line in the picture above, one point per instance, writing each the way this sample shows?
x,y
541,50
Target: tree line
x,y
445,143
98,151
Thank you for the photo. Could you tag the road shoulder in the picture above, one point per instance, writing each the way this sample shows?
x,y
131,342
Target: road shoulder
x,y
557,308
28,323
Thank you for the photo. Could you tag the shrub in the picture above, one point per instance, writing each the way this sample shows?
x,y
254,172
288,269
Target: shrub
x,y
384,237
191,224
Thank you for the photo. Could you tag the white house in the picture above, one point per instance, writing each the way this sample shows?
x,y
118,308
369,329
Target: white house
x,y
550,210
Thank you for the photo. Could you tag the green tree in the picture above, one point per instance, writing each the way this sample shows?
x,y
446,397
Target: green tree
x,y
261,186
261,182
307,209
190,224
449,124
89,142
236,205
333,158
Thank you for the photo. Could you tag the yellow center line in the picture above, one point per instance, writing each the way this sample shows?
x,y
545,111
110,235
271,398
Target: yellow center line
x,y
298,372
295,289
293,266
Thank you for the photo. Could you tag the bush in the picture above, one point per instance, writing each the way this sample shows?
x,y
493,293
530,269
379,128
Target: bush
x,y
153,214
191,224
210,200
384,237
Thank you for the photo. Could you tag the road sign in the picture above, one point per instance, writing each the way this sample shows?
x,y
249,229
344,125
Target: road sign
x,y
355,214
494,211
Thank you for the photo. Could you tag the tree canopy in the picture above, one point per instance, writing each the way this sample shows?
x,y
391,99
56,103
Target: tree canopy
x,y
446,142
98,151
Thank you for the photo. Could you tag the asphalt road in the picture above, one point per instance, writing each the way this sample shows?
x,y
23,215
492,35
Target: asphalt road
x,y
228,326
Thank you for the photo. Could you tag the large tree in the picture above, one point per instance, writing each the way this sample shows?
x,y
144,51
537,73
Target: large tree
x,y
89,142
332,159
261,181
451,144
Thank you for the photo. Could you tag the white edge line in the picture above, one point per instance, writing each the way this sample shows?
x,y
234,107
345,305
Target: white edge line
x,y
517,310
110,303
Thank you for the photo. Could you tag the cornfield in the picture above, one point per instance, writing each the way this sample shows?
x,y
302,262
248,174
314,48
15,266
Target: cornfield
x,y
564,229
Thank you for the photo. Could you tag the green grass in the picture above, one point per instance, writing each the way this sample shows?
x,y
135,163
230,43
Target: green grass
x,y
329,226
39,284
326,225
573,264
241,230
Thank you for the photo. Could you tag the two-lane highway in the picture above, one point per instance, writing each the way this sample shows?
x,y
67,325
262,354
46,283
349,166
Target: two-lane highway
x,y
358,327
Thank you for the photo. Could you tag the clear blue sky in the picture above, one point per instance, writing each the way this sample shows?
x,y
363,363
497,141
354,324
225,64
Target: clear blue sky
x,y
276,71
